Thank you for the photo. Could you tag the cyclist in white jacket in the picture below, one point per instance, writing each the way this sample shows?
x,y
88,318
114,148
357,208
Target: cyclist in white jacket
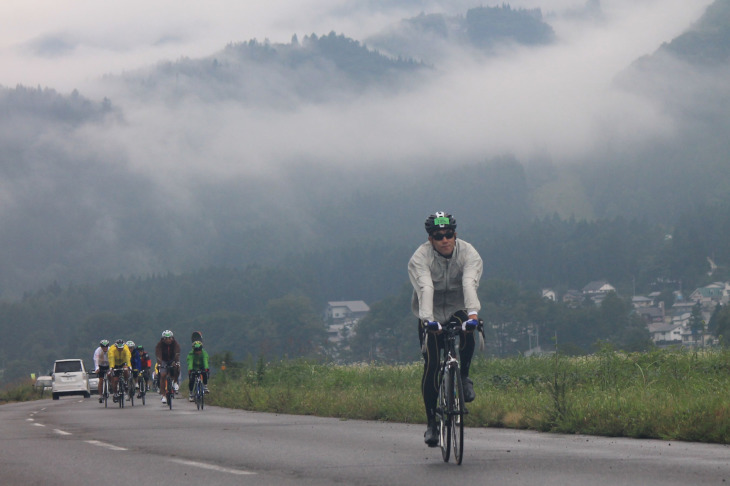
x,y
101,363
445,273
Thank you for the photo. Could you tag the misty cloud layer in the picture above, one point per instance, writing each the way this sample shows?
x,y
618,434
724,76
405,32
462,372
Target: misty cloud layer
x,y
164,156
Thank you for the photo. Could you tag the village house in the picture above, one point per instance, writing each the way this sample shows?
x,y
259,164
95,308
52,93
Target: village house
x,y
341,317
711,295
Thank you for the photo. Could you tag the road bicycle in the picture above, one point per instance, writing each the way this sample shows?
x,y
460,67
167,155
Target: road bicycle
x,y
129,388
198,388
105,388
120,388
142,384
450,409
170,391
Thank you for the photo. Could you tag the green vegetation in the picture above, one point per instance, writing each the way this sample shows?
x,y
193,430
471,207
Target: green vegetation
x,y
669,395
20,392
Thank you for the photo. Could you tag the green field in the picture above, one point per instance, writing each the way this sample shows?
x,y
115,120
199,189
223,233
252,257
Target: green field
x,y
671,395
667,394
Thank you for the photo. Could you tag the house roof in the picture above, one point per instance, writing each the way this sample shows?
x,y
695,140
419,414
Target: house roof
x,y
665,328
709,291
353,305
595,286
650,311
640,298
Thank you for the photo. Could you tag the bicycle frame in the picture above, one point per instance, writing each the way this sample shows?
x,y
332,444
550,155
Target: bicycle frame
x,y
105,388
142,383
170,391
450,406
198,390
119,392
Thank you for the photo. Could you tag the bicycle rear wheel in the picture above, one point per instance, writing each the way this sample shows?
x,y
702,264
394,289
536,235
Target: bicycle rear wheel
x,y
457,416
443,408
170,391
105,392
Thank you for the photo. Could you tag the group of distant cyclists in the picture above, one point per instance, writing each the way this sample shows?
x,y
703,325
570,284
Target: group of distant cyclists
x,y
445,273
126,359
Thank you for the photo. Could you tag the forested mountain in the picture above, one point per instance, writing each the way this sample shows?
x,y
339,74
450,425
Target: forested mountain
x,y
431,36
252,255
274,74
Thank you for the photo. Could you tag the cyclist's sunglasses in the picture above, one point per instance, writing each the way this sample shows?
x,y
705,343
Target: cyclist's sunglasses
x,y
440,236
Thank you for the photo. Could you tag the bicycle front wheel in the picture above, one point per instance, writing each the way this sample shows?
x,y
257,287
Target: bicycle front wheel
x,y
120,392
443,410
457,416
105,392
130,386
199,394
143,389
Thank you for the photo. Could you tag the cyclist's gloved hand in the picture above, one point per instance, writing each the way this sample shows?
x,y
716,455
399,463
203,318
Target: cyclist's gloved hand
x,y
433,326
469,325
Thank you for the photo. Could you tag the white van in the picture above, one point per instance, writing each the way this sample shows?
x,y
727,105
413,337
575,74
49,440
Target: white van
x,y
70,378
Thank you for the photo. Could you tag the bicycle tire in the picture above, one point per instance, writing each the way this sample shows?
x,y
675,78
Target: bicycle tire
x,y
445,418
130,386
457,425
143,389
105,390
199,393
170,392
120,392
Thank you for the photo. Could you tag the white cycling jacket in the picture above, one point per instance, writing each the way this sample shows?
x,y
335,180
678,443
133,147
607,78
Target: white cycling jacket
x,y
100,358
442,286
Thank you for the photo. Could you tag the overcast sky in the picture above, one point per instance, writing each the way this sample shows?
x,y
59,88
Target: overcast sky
x,y
557,99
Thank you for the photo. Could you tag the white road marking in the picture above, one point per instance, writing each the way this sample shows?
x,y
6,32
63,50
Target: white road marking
x,y
61,432
212,467
37,424
104,444
29,420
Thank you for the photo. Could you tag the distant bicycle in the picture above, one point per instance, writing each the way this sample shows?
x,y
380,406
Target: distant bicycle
x,y
121,387
198,388
170,390
142,384
105,389
129,389
450,409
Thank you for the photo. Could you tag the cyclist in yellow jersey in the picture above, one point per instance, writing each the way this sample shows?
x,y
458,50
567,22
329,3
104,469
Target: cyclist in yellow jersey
x,y
119,359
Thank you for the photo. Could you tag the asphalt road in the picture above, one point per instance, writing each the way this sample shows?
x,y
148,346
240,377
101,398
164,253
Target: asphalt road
x,y
75,441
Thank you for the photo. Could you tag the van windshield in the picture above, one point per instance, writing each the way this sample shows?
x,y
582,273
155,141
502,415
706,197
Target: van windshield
x,y
68,366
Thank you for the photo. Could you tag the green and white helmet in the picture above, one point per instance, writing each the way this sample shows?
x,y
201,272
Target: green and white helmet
x,y
130,345
166,333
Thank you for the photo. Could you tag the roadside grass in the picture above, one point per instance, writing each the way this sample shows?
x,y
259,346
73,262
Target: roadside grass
x,y
664,394
19,392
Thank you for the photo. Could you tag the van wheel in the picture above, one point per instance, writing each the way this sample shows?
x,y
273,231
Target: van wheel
x,y
55,396
87,395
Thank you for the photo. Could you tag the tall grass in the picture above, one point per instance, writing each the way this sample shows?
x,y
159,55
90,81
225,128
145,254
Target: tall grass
x,y
20,392
672,395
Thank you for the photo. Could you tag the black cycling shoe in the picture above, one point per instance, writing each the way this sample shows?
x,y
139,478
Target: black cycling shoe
x,y
469,394
431,436
101,400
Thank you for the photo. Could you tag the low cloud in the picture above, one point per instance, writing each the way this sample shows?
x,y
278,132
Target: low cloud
x,y
557,101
